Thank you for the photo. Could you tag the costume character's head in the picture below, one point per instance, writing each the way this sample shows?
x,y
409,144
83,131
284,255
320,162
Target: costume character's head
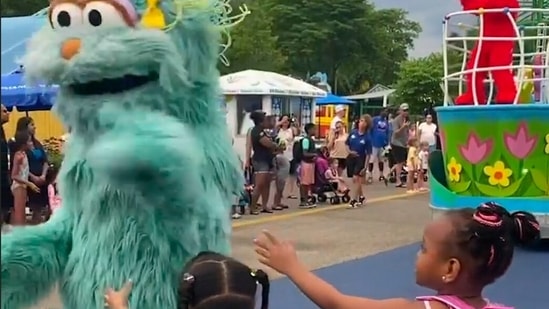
x,y
114,55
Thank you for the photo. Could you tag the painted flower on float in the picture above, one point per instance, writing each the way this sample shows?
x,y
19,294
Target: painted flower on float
x,y
454,170
521,144
547,143
498,174
476,150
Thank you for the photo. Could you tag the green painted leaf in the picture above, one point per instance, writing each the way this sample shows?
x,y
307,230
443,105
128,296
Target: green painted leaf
x,y
540,180
461,186
498,191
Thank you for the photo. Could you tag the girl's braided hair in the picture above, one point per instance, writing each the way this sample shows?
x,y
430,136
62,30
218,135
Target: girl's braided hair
x,y
214,281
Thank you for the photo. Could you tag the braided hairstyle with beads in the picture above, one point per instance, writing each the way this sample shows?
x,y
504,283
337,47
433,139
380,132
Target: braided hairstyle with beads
x,y
487,236
215,281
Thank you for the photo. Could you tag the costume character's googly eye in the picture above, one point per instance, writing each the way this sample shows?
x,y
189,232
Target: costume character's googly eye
x,y
103,14
65,15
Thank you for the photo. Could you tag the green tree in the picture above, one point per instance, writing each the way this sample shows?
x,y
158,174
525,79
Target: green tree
x,y
419,82
253,45
21,7
348,39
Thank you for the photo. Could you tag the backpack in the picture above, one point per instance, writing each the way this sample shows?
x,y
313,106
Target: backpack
x,y
297,150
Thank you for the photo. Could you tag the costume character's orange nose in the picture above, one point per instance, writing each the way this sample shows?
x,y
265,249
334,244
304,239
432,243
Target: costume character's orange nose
x,y
70,48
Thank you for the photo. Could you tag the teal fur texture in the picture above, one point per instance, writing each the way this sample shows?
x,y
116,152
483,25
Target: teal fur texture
x,y
148,174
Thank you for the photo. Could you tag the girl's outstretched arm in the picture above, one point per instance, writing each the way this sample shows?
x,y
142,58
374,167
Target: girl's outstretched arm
x,y
33,260
281,256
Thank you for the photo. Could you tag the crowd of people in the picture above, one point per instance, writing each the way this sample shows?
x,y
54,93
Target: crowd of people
x,y
27,181
279,149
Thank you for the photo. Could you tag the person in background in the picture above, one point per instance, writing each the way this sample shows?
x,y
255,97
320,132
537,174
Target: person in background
x,y
360,149
306,154
462,252
21,185
38,168
53,194
6,197
209,281
424,165
427,132
412,164
337,145
262,158
399,141
285,138
333,176
412,131
339,116
380,140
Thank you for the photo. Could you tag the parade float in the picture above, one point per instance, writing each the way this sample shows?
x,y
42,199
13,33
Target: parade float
x,y
494,148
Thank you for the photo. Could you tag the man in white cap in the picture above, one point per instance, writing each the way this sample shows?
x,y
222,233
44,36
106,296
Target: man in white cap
x,y
340,114
399,140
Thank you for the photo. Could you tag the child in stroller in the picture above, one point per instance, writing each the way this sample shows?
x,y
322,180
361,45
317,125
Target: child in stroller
x,y
328,181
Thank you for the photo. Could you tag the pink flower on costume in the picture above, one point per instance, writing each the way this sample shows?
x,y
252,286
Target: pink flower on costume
x,y
521,143
475,151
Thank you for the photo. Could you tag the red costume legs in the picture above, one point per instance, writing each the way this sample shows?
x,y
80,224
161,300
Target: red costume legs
x,y
493,54
501,55
467,98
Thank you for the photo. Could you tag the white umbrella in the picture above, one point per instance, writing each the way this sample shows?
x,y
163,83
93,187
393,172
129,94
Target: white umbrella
x,y
253,82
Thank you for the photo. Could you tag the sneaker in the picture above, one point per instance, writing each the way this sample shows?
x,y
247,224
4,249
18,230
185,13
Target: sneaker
x,y
311,204
236,216
305,205
361,200
353,204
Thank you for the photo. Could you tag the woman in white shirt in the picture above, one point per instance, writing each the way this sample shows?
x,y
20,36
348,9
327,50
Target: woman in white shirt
x,y
427,133
285,136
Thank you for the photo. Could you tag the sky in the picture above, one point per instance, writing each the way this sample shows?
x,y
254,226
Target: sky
x,y
429,13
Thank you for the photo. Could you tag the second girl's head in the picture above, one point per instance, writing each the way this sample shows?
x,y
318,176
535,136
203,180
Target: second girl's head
x,y
334,163
284,121
214,281
22,141
467,249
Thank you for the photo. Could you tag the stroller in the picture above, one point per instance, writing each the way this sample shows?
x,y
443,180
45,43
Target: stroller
x,y
324,189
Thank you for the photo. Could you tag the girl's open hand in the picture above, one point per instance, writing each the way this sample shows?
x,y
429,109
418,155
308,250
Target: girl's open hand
x,y
278,254
118,299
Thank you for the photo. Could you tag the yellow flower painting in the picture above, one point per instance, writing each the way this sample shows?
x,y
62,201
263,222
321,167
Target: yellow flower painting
x,y
454,170
498,174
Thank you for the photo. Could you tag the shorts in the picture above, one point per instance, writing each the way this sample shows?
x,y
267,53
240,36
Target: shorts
x,y
307,173
40,200
399,153
377,155
355,165
293,167
261,167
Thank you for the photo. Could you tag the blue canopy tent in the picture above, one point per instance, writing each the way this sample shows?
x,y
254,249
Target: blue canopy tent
x,y
25,98
16,31
332,99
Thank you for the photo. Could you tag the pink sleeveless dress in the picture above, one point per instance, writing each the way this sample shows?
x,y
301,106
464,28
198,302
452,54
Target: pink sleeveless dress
x,y
454,302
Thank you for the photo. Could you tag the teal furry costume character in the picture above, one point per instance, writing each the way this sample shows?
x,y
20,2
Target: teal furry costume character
x,y
148,174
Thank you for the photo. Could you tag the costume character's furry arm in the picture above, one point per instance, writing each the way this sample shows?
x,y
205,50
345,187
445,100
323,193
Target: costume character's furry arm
x,y
33,260
147,148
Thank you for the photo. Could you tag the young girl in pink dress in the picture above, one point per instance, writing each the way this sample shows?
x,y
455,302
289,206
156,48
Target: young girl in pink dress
x,y
332,175
53,195
20,177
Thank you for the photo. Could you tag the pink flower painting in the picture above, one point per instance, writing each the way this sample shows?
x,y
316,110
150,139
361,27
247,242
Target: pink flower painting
x,y
521,143
476,150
